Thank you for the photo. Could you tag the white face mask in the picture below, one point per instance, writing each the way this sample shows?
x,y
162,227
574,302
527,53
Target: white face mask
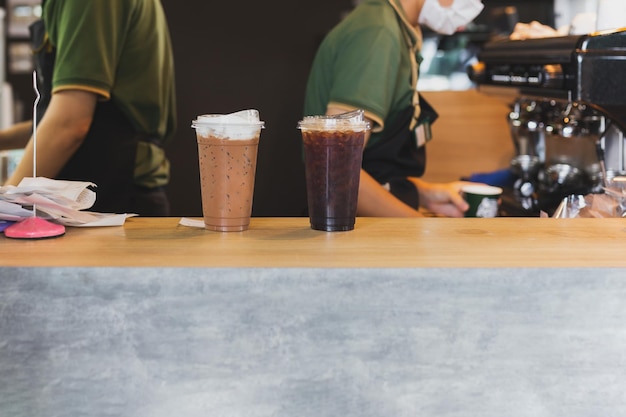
x,y
446,20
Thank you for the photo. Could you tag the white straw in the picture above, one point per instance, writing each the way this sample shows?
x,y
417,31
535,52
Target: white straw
x,y
35,124
35,133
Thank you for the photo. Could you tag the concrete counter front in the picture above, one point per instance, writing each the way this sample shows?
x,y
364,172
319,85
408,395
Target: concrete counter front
x,y
400,317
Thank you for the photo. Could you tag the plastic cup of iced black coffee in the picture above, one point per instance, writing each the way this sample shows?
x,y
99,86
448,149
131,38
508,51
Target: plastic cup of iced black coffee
x,y
333,152
227,152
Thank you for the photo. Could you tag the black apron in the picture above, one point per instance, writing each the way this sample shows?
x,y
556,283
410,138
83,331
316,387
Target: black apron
x,y
107,155
397,156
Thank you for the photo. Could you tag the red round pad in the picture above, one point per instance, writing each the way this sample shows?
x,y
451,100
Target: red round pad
x,y
34,228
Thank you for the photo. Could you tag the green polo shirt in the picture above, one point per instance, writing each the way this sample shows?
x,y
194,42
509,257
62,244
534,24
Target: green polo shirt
x,y
115,48
364,63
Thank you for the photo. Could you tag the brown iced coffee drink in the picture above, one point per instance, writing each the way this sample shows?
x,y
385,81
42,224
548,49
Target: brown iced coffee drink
x,y
227,181
227,152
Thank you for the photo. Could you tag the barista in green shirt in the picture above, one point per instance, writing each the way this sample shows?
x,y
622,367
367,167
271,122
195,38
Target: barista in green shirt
x,y
105,73
370,61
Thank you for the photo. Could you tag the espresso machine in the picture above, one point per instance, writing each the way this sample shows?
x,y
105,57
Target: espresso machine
x,y
567,118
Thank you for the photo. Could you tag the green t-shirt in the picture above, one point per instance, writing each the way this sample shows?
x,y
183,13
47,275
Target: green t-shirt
x,y
363,62
120,50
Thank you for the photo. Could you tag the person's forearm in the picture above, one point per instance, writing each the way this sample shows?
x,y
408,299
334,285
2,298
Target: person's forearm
x,y
55,146
59,135
376,201
16,136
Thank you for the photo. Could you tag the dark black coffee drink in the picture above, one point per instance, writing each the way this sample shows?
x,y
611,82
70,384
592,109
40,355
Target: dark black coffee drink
x,y
332,167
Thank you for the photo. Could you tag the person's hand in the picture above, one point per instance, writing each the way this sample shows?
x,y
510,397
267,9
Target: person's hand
x,y
443,199
531,30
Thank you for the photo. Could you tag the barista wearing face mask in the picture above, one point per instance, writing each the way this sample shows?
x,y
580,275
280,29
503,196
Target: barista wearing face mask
x,y
446,17
370,61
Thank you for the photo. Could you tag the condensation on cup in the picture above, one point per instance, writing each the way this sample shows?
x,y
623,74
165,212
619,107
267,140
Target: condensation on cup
x,y
227,156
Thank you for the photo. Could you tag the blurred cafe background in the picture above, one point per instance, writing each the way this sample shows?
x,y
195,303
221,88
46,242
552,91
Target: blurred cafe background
x,y
236,55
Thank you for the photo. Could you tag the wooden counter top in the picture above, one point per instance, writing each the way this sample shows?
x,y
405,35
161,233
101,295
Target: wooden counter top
x,y
375,242
511,317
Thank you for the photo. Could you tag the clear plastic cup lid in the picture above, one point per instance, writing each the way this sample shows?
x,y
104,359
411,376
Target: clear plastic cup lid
x,y
243,117
238,125
353,120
